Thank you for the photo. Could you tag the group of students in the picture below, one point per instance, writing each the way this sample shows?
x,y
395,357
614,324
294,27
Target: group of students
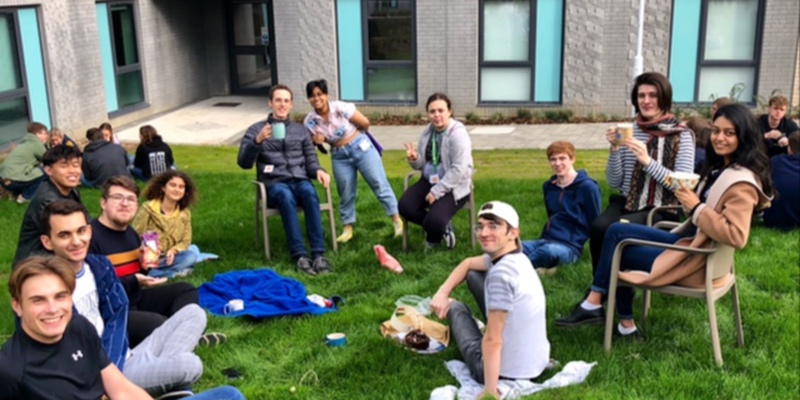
x,y
103,157
166,322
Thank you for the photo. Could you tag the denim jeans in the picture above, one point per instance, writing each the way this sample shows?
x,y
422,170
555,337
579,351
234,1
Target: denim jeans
x,y
26,189
545,253
634,258
350,159
286,196
182,261
219,393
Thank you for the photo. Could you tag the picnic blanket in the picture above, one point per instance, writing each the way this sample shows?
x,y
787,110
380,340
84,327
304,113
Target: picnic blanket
x,y
265,294
573,373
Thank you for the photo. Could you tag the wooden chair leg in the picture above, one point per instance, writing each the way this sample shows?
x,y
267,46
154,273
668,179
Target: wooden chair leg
x,y
737,315
257,235
265,226
612,303
712,325
646,296
332,222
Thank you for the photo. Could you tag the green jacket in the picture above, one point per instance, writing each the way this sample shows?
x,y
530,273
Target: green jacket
x,y
22,165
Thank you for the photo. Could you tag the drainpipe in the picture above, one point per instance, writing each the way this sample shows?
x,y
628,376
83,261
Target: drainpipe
x,y
638,60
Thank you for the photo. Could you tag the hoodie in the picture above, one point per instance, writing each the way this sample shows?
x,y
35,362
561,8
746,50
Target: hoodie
x,y
153,157
102,160
571,210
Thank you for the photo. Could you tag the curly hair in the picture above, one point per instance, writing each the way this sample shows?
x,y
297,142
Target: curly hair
x,y
155,189
750,153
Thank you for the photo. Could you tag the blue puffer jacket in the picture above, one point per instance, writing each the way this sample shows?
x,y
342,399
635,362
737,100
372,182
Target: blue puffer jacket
x,y
571,210
294,157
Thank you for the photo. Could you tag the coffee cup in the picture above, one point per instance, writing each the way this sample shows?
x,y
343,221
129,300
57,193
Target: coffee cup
x,y
624,132
278,130
233,306
337,339
688,179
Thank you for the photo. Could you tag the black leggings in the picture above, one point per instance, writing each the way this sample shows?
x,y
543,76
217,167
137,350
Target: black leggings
x,y
155,305
615,212
432,217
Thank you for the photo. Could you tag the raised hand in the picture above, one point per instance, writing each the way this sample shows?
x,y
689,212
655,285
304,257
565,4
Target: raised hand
x,y
411,152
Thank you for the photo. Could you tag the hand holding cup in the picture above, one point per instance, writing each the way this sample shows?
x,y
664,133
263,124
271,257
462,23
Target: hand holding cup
x,y
264,134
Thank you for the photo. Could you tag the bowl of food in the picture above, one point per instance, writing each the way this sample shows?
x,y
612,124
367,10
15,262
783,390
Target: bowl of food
x,y
690,180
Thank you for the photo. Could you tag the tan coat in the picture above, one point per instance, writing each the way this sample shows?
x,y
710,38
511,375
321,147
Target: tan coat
x,y
724,218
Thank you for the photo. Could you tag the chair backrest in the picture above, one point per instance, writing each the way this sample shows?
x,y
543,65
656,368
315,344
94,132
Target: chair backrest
x,y
720,262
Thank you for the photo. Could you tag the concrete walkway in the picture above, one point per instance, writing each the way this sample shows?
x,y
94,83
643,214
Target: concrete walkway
x,y
208,123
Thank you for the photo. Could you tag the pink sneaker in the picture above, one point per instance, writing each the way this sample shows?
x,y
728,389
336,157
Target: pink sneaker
x,y
386,259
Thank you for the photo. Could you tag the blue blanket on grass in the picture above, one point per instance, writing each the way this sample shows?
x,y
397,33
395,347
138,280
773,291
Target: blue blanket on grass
x,y
265,294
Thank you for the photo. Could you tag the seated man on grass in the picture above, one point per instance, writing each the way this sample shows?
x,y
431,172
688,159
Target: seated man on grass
x,y
102,160
151,301
55,354
165,360
572,200
62,164
510,297
776,127
285,166
20,172
784,214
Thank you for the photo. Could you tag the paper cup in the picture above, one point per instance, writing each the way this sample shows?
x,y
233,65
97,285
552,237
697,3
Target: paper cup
x,y
624,132
337,339
689,179
233,306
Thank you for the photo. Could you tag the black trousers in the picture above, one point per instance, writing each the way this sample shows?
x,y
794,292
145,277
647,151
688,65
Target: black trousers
x,y
432,217
613,213
154,306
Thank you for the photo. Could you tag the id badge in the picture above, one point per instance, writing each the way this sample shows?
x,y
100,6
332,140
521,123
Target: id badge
x,y
268,169
365,144
434,179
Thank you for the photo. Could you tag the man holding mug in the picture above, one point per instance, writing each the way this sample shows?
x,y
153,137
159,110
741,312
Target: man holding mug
x,y
285,159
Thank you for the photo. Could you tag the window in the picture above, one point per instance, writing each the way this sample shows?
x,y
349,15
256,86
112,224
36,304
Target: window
x,y
389,43
122,68
520,51
14,115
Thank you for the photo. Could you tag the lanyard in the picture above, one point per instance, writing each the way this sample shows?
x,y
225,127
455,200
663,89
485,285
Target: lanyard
x,y
434,153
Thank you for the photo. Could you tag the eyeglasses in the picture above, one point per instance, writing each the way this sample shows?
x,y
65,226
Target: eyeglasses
x,y
478,228
121,198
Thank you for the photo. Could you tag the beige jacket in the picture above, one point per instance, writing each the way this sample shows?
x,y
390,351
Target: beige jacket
x,y
723,218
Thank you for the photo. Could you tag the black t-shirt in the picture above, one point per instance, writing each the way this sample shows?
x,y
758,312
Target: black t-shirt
x,y
786,126
122,249
69,369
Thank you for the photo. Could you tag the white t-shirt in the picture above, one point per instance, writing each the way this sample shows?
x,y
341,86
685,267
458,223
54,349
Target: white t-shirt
x,y
513,286
86,299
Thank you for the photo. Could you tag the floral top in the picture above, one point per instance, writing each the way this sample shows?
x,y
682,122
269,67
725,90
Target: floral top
x,y
338,125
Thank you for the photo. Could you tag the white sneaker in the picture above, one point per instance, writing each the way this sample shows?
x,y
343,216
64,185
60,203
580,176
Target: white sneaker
x,y
449,238
22,200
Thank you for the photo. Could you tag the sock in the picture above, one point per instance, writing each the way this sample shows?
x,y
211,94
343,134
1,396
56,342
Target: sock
x,y
625,331
589,306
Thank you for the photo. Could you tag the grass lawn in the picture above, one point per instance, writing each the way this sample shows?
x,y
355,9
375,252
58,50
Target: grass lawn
x,y
278,354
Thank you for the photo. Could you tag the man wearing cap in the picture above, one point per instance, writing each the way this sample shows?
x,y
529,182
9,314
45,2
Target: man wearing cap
x,y
515,344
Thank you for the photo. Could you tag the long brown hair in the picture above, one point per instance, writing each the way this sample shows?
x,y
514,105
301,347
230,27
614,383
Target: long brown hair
x,y
155,190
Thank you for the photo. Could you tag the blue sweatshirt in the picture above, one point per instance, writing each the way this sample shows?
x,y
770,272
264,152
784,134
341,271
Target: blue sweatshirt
x,y
784,214
571,210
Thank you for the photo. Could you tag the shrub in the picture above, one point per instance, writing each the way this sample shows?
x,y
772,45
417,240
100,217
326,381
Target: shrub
x,y
558,115
524,114
497,118
472,118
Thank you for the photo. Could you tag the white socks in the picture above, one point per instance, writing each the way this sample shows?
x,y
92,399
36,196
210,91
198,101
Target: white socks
x,y
625,331
589,306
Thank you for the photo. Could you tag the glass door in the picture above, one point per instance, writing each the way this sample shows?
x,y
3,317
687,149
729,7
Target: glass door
x,y
251,46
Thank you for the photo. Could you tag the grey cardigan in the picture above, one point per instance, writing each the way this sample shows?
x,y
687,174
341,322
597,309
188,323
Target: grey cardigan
x,y
456,160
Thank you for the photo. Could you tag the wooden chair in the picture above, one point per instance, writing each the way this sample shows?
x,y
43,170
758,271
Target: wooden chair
x,y
719,263
469,206
263,213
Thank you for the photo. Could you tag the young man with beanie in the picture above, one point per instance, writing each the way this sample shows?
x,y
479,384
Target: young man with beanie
x,y
510,297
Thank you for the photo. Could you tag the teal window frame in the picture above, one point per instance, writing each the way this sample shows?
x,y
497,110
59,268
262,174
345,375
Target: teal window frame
x,y
123,70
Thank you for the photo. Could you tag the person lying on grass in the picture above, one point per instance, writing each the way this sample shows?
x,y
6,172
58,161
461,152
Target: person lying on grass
x,y
515,345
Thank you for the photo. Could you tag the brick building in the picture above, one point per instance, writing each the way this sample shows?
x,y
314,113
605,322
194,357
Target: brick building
x,y
76,63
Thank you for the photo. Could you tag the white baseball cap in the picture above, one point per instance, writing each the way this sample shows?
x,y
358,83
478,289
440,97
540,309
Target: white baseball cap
x,y
500,210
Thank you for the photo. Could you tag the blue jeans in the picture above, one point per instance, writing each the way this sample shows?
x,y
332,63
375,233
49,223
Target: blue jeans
x,y
545,253
634,258
26,189
182,261
350,159
286,196
219,393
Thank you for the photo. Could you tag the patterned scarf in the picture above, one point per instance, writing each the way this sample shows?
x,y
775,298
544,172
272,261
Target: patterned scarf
x,y
646,192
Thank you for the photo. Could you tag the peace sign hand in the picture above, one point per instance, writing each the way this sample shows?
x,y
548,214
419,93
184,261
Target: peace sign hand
x,y
411,152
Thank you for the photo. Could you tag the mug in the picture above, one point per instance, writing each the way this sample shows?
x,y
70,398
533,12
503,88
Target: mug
x,y
336,340
233,306
278,130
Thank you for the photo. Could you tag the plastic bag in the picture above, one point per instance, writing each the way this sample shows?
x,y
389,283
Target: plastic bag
x,y
422,305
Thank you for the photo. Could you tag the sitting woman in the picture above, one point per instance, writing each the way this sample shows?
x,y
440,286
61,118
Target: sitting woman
x,y
153,156
108,133
446,182
166,212
58,137
352,151
735,181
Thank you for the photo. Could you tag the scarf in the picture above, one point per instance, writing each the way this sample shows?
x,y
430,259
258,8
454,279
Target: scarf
x,y
644,190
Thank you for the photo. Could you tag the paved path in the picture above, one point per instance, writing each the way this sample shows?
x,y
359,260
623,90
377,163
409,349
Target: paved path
x,y
203,123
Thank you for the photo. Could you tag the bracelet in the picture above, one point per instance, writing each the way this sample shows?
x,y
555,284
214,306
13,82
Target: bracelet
x,y
691,213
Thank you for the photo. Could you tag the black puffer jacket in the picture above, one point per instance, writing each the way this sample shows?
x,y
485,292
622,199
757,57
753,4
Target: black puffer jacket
x,y
279,160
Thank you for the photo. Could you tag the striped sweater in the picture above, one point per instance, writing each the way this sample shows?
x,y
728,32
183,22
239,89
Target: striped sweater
x,y
622,162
